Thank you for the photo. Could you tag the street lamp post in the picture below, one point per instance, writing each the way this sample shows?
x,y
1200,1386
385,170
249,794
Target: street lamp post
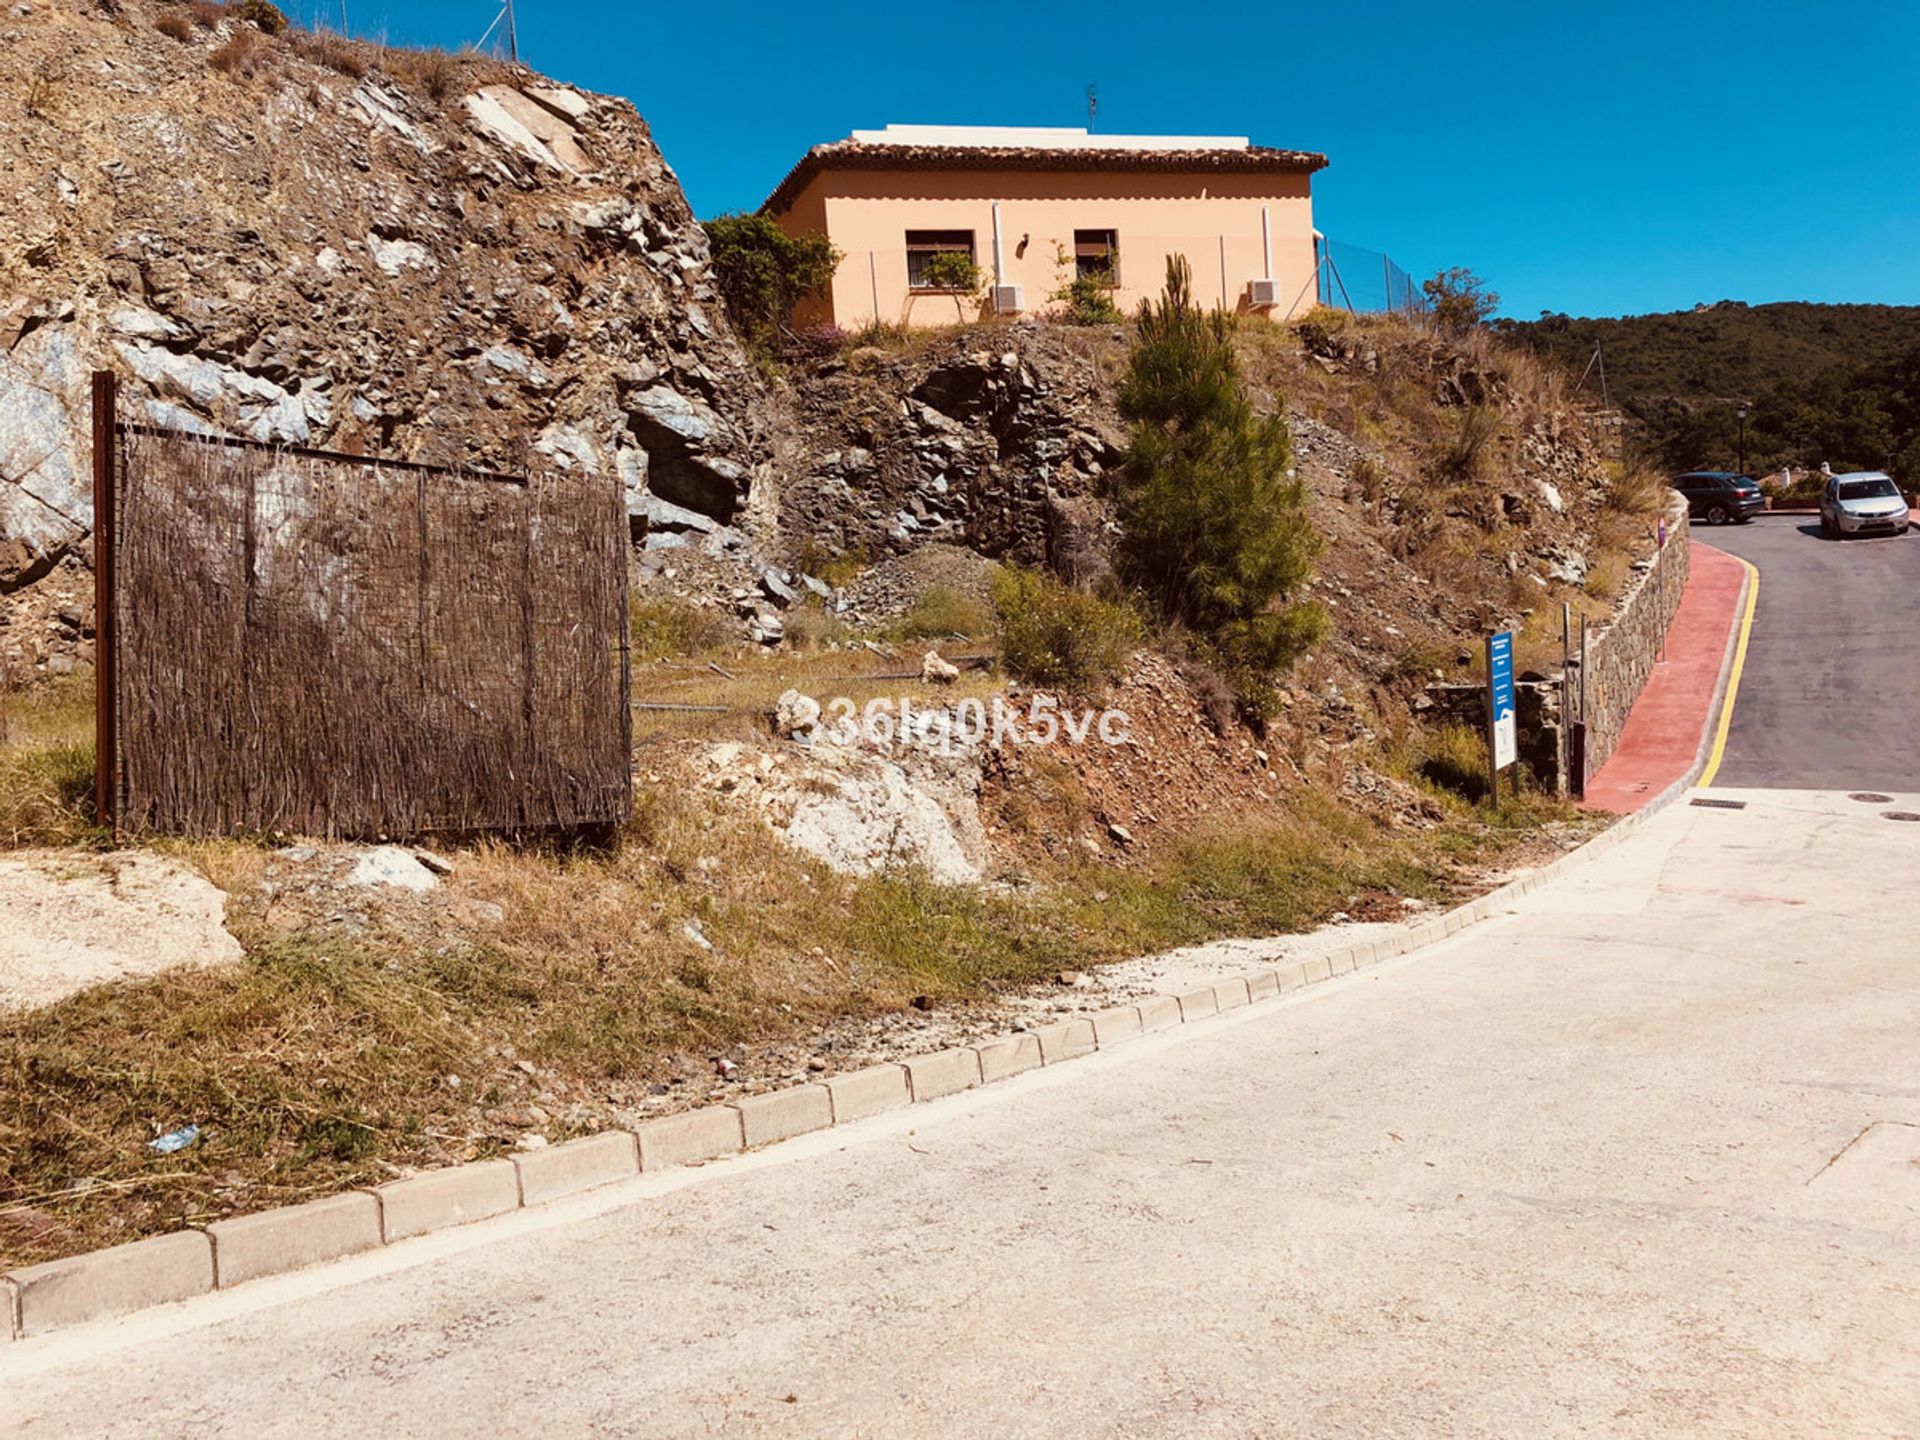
x,y
1743,437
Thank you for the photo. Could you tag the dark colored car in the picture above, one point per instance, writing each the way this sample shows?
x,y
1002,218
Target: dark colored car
x,y
1718,496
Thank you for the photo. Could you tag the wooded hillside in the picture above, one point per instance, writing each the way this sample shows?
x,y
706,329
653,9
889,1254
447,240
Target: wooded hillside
x,y
1838,384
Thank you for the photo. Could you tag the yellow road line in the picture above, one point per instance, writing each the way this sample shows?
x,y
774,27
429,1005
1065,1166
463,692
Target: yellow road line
x,y
1733,678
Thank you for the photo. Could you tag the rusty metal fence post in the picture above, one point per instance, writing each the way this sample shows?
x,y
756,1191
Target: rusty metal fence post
x,y
106,719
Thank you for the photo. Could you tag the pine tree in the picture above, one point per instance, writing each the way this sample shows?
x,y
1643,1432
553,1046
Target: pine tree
x,y
1215,530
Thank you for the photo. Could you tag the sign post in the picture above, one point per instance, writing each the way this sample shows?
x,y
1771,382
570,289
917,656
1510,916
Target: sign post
x,y
1503,720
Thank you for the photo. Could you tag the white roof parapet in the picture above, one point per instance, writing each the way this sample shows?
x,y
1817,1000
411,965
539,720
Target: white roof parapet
x,y
1019,137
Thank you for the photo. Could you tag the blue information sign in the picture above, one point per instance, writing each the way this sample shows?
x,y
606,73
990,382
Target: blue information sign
x,y
1506,721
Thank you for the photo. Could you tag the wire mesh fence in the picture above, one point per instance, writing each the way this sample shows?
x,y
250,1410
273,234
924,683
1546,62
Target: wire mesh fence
x,y
1367,282
337,646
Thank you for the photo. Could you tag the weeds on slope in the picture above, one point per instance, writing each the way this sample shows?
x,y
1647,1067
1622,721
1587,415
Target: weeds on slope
x,y
566,992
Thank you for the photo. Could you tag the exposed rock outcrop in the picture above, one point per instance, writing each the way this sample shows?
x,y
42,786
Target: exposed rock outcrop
x,y
337,246
993,450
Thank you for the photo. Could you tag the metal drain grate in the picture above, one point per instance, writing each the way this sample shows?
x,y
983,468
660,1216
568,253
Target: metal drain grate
x,y
1705,804
1898,815
1868,797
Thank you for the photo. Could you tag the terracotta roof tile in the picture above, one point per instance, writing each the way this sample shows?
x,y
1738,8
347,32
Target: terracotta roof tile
x,y
857,155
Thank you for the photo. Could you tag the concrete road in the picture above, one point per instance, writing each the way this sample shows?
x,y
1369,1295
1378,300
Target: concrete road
x,y
1637,1159
1832,682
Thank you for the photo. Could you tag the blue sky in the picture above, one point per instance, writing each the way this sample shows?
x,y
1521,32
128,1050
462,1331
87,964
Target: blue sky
x,y
1596,160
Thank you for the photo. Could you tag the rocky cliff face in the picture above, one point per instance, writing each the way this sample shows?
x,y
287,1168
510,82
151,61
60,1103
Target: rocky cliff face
x,y
1005,450
301,239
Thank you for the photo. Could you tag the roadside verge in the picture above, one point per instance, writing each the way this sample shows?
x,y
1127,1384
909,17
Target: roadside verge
x,y
39,1299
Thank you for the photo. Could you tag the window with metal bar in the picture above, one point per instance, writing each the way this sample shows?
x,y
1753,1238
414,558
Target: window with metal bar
x,y
1096,255
923,245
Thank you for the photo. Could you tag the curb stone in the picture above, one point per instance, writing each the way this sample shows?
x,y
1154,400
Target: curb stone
x,y
437,1199
1158,1012
293,1237
112,1282
1117,1026
603,1159
1066,1040
174,1267
1232,993
945,1072
1009,1055
872,1091
1198,1004
690,1137
782,1114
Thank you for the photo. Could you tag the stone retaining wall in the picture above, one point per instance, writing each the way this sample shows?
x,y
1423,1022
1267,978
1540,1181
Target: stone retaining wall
x,y
1622,656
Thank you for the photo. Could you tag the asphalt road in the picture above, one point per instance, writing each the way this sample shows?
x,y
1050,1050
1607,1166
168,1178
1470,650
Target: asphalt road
x,y
1831,688
1638,1159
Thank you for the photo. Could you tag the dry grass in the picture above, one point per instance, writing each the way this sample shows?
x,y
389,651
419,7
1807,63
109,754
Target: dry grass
x,y
435,73
175,26
1460,458
813,627
1607,577
242,56
1635,490
752,682
328,1057
46,765
352,58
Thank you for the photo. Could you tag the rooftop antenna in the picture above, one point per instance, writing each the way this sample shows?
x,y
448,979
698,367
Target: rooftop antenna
x,y
1093,107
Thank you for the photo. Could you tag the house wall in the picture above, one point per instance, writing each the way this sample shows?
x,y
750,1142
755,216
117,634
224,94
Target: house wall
x,y
1212,219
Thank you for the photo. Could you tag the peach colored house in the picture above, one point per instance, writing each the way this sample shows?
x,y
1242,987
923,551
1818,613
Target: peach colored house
x,y
1035,208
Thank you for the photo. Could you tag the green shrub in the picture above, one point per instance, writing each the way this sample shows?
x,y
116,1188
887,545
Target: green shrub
x,y
763,272
1460,300
675,629
940,611
1454,758
953,270
1213,518
1088,300
1052,634
1806,489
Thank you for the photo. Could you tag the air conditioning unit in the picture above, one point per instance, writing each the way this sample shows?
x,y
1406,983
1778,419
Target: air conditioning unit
x,y
1263,292
1008,300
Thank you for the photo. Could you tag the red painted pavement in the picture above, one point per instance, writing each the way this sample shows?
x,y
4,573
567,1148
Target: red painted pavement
x,y
1675,709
